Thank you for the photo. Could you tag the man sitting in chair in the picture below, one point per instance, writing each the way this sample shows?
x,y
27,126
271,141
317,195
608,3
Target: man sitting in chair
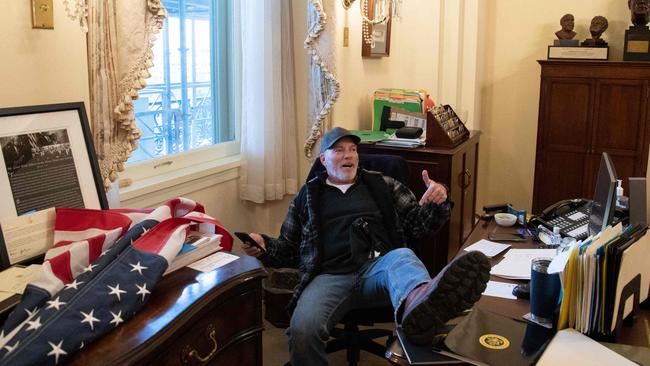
x,y
334,228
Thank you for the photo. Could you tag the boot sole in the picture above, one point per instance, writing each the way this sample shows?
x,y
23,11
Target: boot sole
x,y
459,288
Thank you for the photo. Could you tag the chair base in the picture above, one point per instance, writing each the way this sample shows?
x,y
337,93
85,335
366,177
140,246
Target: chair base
x,y
353,340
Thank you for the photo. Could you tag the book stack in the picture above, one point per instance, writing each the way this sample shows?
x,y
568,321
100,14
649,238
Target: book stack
x,y
197,246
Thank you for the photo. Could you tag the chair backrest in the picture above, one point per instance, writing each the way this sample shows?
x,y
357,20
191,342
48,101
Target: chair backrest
x,y
391,165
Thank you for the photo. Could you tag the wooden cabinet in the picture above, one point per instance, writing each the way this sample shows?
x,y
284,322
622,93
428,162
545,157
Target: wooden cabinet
x,y
457,168
218,315
586,108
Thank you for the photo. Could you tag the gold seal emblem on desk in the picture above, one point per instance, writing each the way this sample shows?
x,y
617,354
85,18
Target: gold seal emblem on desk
x,y
494,341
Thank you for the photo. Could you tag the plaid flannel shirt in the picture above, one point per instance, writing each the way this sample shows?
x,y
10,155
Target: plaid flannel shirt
x,y
299,245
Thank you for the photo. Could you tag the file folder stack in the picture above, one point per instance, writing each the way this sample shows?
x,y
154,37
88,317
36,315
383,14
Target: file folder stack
x,y
599,276
410,100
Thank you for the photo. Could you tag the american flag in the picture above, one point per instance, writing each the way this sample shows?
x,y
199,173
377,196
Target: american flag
x,y
98,274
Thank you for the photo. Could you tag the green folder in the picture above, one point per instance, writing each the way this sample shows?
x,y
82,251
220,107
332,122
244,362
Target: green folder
x,y
369,137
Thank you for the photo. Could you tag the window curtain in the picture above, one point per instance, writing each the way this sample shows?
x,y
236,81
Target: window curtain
x,y
120,38
323,85
266,102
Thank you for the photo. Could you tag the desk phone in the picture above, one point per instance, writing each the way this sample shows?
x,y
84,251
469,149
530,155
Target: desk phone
x,y
571,216
574,223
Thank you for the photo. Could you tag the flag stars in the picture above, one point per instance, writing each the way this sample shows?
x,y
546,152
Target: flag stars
x,y
117,318
138,267
89,318
11,348
89,268
116,291
142,290
34,324
56,351
73,284
55,304
30,313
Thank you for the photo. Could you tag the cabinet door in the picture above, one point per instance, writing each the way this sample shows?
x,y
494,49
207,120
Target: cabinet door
x,y
619,128
563,139
432,249
468,195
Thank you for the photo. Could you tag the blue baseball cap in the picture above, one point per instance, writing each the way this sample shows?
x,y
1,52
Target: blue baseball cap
x,y
335,134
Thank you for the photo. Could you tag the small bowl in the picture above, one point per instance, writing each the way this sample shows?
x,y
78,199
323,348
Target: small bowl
x,y
505,219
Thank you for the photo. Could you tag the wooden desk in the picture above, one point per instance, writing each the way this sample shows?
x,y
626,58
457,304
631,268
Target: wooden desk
x,y
636,335
457,168
186,309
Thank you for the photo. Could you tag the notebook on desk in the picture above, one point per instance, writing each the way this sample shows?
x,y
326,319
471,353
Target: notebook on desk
x,y
423,355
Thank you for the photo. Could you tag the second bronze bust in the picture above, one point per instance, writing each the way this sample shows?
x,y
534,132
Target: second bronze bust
x,y
598,26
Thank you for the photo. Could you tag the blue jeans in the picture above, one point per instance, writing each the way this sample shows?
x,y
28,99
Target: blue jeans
x,y
328,297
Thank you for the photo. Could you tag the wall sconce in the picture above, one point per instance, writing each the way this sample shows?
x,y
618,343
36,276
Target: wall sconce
x,y
347,4
42,14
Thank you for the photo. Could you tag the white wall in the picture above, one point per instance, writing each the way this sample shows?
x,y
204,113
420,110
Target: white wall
x,y
516,36
41,66
433,47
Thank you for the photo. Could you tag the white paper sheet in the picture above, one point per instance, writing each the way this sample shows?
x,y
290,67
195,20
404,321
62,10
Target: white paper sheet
x,y
500,289
570,347
516,263
15,279
489,248
213,261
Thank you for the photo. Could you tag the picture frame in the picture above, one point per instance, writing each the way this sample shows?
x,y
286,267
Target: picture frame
x,y
47,160
379,32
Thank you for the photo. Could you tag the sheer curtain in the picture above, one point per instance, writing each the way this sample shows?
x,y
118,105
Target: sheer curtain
x,y
120,39
266,102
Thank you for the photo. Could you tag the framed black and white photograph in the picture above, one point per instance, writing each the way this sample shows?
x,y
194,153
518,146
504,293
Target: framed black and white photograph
x,y
48,160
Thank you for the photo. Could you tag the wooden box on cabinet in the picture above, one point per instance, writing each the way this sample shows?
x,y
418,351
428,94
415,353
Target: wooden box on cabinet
x,y
456,168
586,108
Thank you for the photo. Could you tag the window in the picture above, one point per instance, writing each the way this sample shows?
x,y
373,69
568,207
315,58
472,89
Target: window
x,y
186,107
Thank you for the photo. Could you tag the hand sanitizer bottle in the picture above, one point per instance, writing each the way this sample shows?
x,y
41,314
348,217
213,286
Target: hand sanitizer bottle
x,y
556,239
619,194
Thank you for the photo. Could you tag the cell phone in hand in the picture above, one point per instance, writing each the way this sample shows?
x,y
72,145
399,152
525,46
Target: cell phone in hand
x,y
505,237
247,239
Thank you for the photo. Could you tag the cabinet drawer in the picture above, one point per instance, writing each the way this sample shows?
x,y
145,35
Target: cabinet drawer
x,y
214,333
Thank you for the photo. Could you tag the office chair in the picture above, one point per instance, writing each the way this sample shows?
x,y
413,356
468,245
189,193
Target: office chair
x,y
349,336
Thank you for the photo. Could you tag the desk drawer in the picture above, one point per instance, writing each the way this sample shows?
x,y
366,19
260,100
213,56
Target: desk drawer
x,y
231,325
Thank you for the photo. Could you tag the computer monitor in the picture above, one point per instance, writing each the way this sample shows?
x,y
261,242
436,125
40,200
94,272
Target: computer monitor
x,y
604,203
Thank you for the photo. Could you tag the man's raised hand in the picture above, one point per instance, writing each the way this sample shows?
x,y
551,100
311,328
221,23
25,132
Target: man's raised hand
x,y
435,192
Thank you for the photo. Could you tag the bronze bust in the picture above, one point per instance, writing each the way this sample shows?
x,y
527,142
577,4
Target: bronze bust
x,y
567,23
639,12
598,26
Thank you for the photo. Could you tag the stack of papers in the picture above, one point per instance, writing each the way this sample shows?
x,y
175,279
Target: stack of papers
x,y
516,263
400,142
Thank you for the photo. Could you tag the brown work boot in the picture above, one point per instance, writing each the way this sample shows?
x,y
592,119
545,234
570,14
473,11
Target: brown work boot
x,y
455,289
